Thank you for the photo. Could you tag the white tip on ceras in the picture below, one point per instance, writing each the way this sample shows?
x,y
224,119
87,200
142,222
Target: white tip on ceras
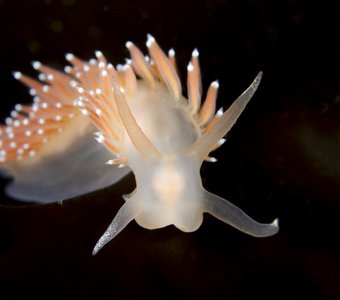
x,y
36,65
150,40
10,135
20,151
45,88
128,61
14,114
73,83
80,90
86,68
8,128
92,62
79,103
221,141
115,162
44,105
110,162
120,68
58,105
219,113
195,53
31,153
211,159
128,44
58,118
99,137
190,67
215,84
18,107
110,66
41,121
69,57
101,65
40,131
171,53
84,112
17,75
98,112
98,53
68,69
42,77
8,121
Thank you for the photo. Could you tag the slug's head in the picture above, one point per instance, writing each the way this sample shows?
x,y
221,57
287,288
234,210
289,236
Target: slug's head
x,y
170,193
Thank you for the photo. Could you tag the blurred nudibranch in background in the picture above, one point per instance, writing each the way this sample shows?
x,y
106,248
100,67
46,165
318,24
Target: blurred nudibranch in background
x,y
48,147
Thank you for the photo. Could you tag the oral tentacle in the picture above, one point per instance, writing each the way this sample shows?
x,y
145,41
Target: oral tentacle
x,y
229,213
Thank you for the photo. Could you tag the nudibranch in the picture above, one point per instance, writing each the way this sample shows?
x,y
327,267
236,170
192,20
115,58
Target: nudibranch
x,y
149,126
48,147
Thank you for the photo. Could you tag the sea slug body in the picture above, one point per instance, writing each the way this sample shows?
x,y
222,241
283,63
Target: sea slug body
x,y
148,125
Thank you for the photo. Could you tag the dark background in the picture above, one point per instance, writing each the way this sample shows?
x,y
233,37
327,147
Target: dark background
x,y
281,159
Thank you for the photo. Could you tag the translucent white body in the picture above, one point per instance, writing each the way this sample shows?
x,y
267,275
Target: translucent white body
x,y
164,138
